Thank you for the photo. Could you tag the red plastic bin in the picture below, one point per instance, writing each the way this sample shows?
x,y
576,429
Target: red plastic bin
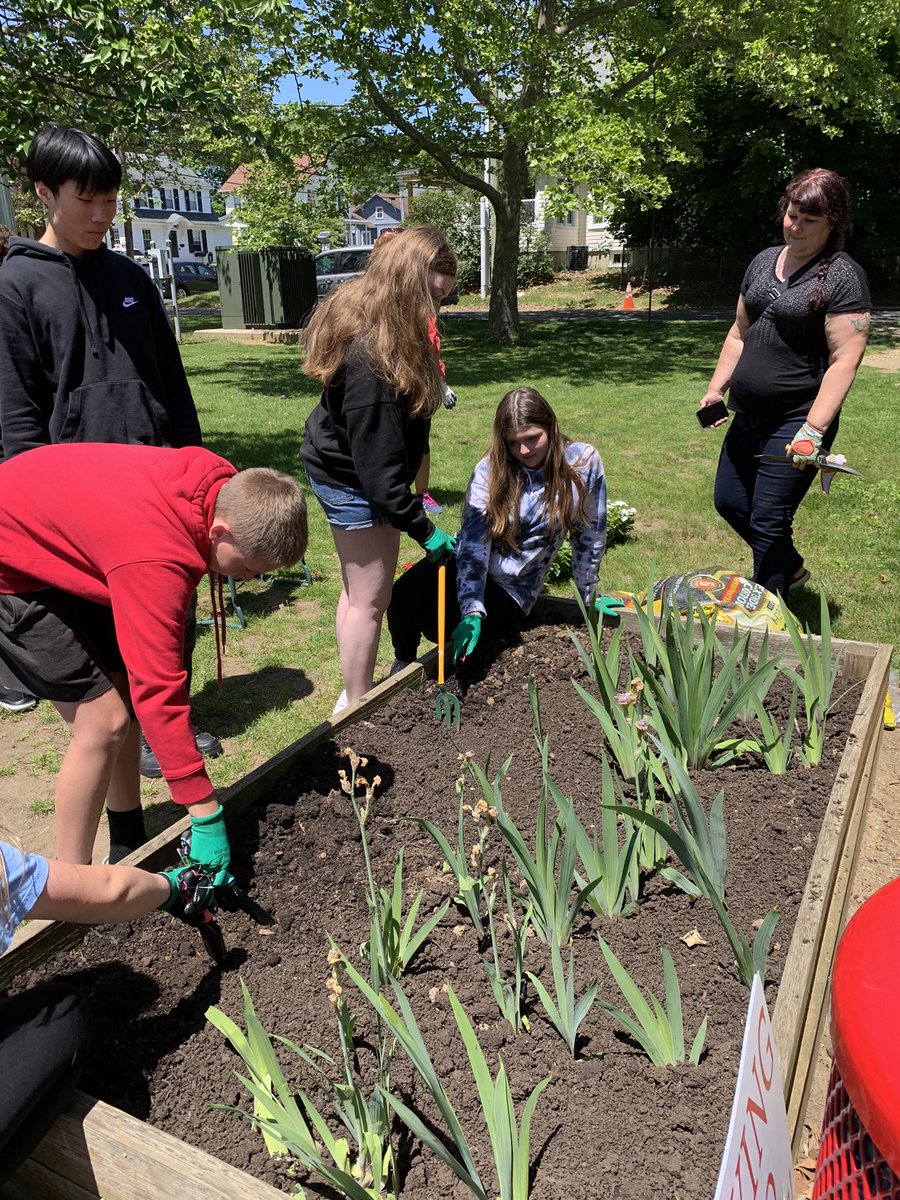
x,y
859,1155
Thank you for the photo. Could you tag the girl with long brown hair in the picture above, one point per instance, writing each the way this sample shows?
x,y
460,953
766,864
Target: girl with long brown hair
x,y
532,488
368,345
788,363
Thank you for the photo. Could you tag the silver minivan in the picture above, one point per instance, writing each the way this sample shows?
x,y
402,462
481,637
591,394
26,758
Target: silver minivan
x,y
335,266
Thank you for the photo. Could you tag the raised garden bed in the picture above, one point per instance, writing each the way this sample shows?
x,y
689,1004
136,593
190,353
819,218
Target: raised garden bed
x,y
608,1123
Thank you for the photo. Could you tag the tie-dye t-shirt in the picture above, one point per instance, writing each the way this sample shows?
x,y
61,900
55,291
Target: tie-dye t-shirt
x,y
522,573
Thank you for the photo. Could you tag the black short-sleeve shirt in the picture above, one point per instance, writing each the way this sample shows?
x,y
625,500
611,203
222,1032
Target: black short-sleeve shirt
x,y
785,352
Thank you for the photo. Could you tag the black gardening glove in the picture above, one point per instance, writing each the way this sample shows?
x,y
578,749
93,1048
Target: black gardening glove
x,y
193,897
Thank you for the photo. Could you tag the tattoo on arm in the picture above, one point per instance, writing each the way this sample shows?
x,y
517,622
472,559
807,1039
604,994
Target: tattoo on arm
x,y
861,322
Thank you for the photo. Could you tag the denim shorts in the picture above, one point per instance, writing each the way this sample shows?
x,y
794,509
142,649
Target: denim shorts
x,y
346,507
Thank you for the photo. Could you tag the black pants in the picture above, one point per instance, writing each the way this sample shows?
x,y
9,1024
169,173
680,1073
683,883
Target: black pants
x,y
412,613
759,500
45,1034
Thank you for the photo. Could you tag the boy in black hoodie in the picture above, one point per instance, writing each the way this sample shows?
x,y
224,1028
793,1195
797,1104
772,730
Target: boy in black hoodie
x,y
86,352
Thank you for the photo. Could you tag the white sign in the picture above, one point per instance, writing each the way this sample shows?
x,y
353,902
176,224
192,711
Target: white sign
x,y
757,1164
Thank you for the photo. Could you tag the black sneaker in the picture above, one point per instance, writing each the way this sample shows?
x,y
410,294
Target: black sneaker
x,y
207,743
17,701
150,767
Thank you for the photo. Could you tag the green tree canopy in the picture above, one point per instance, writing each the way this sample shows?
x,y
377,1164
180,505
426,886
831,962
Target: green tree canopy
x,y
600,94
149,66
270,214
724,199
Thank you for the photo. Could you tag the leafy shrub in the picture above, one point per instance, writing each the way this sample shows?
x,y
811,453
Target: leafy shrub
x,y
619,524
535,264
456,212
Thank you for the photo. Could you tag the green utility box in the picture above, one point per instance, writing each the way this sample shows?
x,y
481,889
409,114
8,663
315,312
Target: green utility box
x,y
266,289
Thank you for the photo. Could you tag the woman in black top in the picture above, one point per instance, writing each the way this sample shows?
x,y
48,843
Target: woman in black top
x,y
369,346
787,364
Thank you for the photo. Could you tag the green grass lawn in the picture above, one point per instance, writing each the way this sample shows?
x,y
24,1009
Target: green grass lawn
x,y
582,291
631,390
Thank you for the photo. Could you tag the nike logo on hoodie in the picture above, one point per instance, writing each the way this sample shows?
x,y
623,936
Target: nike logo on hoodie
x,y
129,302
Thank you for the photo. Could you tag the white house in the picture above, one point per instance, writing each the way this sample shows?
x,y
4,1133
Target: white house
x,y
173,205
579,227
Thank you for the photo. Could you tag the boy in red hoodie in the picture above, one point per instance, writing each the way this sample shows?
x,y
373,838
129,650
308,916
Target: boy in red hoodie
x,y
101,549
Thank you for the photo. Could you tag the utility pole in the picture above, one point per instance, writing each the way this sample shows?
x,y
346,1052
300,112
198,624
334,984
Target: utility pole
x,y
485,222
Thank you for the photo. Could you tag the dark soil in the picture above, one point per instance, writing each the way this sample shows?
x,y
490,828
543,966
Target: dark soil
x,y
609,1124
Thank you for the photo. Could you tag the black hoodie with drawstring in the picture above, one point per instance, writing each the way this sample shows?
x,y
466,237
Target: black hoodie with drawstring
x,y
86,354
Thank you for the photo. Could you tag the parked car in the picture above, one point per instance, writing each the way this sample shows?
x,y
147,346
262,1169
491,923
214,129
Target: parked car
x,y
336,266
191,276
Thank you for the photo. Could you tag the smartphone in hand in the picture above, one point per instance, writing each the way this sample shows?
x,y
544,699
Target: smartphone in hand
x,y
712,413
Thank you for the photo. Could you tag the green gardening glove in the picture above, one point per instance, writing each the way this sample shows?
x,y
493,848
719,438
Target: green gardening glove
x,y
209,847
608,607
440,547
191,895
806,445
465,636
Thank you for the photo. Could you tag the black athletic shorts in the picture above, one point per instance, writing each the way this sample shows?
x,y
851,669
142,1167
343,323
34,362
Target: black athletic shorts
x,y
57,646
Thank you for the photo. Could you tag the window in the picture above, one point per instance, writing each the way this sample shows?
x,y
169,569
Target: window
x,y
114,236
355,260
379,214
148,238
568,219
326,264
176,198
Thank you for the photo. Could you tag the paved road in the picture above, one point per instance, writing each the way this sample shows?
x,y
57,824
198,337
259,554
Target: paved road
x,y
880,316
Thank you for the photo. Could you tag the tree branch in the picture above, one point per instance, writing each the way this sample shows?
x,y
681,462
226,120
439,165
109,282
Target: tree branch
x,y
599,11
423,142
652,68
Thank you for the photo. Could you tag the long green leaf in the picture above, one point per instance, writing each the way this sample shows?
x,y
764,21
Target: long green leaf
x,y
406,1030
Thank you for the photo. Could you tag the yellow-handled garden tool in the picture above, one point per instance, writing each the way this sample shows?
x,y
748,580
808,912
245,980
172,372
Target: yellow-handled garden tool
x,y
446,705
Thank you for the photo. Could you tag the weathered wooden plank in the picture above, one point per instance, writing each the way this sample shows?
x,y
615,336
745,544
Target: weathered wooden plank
x,y
110,1154
33,1181
817,1008
801,995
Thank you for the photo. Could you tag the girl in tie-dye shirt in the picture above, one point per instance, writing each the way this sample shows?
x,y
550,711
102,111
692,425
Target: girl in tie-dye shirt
x,y
532,488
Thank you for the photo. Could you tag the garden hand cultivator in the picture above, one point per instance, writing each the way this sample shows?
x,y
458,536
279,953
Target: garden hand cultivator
x,y
446,704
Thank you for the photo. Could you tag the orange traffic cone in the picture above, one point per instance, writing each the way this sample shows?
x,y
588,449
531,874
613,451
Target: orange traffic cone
x,y
629,298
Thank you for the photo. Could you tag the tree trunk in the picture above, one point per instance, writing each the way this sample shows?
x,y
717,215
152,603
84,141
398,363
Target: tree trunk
x,y
503,317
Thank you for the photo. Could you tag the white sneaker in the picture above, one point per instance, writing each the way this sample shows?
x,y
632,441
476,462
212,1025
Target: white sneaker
x,y
397,666
17,701
342,703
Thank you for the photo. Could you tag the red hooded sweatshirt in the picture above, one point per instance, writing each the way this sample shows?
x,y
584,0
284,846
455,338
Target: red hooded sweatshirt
x,y
128,527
